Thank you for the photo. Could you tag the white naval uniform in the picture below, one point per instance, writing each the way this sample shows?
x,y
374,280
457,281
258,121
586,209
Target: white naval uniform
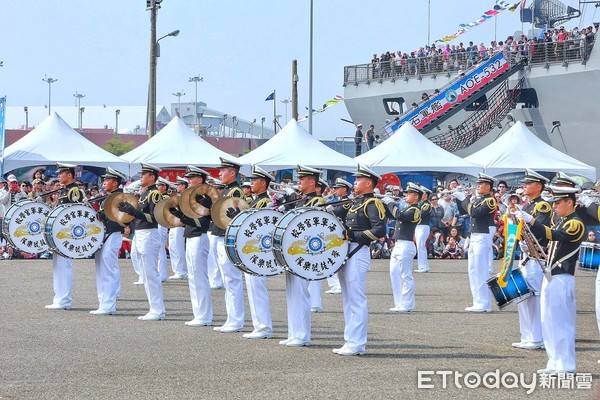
x,y
478,269
258,300
403,284
298,307
421,236
234,288
196,254
162,254
107,272
135,259
530,321
177,251
334,282
314,291
148,243
215,277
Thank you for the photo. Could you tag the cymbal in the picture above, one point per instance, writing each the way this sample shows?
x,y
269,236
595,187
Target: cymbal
x,y
111,207
188,204
219,209
163,215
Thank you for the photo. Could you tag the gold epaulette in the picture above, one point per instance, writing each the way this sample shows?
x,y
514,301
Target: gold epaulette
x,y
575,229
314,201
234,191
262,203
154,196
378,204
541,207
75,195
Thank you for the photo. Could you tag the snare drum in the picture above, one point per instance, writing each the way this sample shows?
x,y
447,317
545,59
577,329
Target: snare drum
x,y
74,231
589,257
249,241
310,243
515,290
23,226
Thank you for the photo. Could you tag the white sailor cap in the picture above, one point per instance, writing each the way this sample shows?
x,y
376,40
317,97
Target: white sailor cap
x,y
60,167
225,163
150,168
182,181
483,178
365,171
562,192
414,188
258,172
308,171
323,183
342,183
192,170
246,184
425,190
532,176
113,174
163,181
563,179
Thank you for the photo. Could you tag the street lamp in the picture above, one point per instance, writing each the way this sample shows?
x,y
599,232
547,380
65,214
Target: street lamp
x,y
81,110
252,127
117,112
196,79
286,102
50,81
153,6
178,95
262,127
79,96
26,109
234,126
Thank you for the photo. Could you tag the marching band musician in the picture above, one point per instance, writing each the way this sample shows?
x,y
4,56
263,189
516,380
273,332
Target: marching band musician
x,y
163,187
196,252
108,278
62,267
256,286
529,309
148,241
177,241
407,215
481,209
422,231
297,294
232,276
247,189
558,304
365,222
342,189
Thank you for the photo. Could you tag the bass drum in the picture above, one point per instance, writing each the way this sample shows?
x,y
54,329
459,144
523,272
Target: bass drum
x,y
310,243
23,226
74,231
249,241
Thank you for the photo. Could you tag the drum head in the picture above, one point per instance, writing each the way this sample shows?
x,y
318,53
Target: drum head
x,y
310,243
73,231
253,231
23,226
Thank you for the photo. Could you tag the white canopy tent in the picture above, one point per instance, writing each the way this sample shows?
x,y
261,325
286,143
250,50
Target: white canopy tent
x,y
519,148
293,146
176,145
55,141
408,150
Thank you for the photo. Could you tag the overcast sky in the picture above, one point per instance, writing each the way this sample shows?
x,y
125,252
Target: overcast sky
x,y
242,48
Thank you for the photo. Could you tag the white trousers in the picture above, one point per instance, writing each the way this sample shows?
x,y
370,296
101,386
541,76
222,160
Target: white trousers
x,y
334,281
177,250
492,230
215,277
196,254
234,288
479,269
530,317
353,280
298,307
403,284
421,236
107,272
162,253
135,259
314,291
258,299
148,243
558,321
598,300
62,279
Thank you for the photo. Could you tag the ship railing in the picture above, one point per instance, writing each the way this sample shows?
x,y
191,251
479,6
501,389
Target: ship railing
x,y
539,53
347,145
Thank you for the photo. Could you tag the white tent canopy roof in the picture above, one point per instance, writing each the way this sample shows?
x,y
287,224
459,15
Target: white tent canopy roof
x,y
519,148
55,141
293,146
408,150
176,145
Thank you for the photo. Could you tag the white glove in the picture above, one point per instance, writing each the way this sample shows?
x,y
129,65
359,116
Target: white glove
x,y
523,247
329,208
40,200
281,208
279,196
387,200
289,191
460,196
402,204
586,200
522,215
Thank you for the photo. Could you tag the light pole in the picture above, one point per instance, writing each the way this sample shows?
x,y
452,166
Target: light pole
x,y
310,69
286,102
252,128
153,6
49,81
196,79
26,109
117,112
262,127
234,126
224,123
178,95
81,110
79,96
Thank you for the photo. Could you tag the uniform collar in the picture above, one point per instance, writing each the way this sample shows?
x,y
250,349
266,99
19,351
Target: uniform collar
x,y
232,184
311,194
370,194
152,187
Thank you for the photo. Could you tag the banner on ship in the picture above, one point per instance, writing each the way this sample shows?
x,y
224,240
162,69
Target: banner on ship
x,y
455,94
